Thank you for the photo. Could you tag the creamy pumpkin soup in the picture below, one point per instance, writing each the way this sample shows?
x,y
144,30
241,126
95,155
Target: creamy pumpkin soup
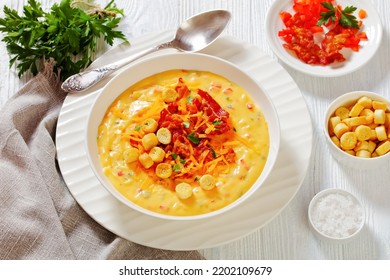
x,y
183,142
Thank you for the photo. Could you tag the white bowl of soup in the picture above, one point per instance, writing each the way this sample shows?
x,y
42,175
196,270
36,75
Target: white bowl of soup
x,y
182,136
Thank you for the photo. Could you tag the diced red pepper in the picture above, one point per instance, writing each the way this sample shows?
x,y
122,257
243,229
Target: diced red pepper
x,y
301,28
362,14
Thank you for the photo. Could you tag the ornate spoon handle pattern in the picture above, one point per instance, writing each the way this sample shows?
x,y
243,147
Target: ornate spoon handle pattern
x,y
86,79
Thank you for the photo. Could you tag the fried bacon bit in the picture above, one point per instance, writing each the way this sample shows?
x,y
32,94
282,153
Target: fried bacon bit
x,y
212,104
182,88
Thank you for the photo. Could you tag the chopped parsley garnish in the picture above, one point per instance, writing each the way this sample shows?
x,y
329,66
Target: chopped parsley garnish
x,y
186,124
213,153
189,99
193,138
176,168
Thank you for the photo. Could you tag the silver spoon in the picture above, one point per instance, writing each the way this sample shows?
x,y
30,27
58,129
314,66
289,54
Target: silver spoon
x,y
192,35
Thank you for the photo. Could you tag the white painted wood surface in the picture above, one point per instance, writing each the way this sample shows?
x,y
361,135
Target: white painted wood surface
x,y
287,236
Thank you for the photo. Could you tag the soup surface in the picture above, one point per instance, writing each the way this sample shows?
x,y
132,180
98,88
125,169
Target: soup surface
x,y
183,142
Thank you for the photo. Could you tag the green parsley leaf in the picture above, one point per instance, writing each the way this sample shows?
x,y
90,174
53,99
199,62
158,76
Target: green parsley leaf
x,y
349,9
189,99
327,5
346,17
138,127
327,16
217,122
213,153
186,124
193,138
175,156
176,168
67,35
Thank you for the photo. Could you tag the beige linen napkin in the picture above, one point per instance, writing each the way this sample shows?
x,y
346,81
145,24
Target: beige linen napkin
x,y
39,218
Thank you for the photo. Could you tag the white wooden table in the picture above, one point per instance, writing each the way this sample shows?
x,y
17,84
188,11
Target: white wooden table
x,y
288,235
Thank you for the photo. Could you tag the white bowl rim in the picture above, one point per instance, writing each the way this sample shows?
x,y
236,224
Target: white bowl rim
x,y
325,192
356,94
269,164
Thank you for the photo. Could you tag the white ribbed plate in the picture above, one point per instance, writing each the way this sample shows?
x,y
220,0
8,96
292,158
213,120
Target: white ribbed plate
x,y
264,205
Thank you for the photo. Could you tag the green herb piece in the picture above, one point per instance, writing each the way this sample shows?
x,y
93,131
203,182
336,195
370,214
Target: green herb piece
x,y
326,16
67,35
189,99
346,17
176,168
213,153
138,127
193,138
217,122
186,124
175,156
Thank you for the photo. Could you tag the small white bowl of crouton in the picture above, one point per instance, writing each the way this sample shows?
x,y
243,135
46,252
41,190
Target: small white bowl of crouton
x,y
357,129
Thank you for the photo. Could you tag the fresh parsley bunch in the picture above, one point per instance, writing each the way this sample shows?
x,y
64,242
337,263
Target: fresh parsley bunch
x,y
67,34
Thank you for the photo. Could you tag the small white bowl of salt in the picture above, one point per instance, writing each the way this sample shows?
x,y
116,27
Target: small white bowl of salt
x,y
336,215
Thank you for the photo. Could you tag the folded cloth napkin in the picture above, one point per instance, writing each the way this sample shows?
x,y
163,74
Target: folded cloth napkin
x,y
39,218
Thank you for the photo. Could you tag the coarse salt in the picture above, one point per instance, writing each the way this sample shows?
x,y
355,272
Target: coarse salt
x,y
337,215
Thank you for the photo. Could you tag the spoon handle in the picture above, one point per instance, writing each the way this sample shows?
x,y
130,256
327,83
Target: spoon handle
x,y
86,79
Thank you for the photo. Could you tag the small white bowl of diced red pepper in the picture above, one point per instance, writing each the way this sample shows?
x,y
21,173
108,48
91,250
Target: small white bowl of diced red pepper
x,y
357,129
